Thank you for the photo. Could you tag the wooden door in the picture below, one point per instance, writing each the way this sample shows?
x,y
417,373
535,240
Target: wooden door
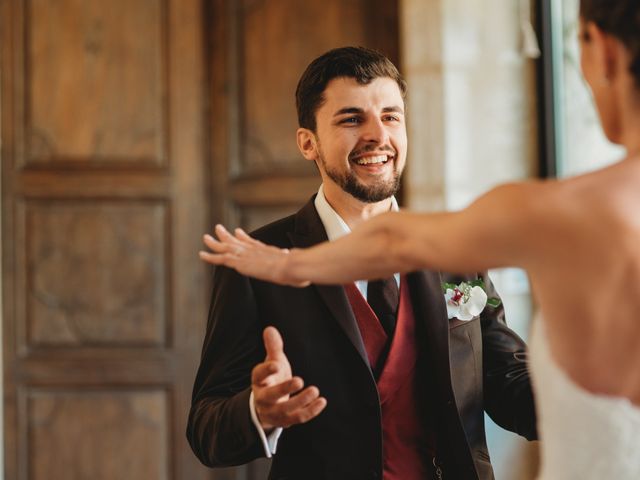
x,y
258,50
103,204
128,128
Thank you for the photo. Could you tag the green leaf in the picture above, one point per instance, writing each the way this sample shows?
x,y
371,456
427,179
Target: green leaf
x,y
477,283
494,302
448,286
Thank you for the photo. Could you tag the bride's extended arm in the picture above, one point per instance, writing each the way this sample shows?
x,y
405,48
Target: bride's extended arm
x,y
494,231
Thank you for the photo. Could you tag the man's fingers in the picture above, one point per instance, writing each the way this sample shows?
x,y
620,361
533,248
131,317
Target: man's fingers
x,y
299,409
262,371
303,415
300,400
312,410
273,344
271,395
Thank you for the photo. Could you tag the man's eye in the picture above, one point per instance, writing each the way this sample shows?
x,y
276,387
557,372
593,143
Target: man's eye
x,y
353,120
391,118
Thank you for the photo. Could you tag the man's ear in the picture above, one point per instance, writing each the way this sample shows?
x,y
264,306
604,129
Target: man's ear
x,y
307,143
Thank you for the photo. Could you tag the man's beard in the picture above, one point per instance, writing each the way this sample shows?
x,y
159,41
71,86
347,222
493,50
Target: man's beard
x,y
367,193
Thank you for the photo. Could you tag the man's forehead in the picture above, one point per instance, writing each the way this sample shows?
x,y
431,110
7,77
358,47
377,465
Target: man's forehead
x,y
343,92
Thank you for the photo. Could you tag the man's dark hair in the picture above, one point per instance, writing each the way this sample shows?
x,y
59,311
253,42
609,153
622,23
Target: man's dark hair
x,y
362,64
620,18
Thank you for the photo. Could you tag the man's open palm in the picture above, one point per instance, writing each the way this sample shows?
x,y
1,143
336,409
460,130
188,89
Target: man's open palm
x,y
279,398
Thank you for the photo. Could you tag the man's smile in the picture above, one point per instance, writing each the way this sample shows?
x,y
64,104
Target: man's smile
x,y
368,160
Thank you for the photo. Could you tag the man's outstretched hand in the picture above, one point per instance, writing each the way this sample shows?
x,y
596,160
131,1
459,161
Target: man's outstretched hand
x,y
249,256
279,398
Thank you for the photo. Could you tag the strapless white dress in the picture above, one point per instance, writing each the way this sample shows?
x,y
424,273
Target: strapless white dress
x,y
584,436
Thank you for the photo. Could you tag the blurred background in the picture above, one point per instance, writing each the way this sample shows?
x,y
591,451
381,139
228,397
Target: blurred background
x,y
130,127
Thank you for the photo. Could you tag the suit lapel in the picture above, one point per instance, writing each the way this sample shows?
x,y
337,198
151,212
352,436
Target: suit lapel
x,y
431,311
309,231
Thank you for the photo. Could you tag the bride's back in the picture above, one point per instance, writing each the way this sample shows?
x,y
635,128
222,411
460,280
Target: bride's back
x,y
587,277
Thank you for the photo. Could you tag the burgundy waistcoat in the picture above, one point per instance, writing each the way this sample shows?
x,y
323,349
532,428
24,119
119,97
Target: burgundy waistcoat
x,y
407,443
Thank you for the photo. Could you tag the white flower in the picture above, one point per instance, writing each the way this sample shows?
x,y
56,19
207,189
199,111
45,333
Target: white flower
x,y
465,302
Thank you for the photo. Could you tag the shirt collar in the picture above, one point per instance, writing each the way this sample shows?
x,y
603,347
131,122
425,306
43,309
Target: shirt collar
x,y
333,224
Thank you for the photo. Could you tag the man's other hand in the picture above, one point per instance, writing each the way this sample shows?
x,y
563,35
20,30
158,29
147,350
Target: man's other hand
x,y
279,398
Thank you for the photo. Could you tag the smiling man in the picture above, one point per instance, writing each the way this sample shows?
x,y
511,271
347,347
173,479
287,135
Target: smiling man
x,y
395,390
358,140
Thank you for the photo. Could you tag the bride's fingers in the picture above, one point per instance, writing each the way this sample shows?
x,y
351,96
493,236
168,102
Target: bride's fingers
x,y
245,237
224,235
216,246
215,258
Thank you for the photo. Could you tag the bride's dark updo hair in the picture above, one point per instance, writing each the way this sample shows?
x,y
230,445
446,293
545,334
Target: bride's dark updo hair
x,y
620,18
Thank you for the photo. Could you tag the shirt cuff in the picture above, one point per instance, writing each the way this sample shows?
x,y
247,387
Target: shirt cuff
x,y
269,442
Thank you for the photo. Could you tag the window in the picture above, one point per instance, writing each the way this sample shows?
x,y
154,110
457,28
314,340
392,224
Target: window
x,y
576,143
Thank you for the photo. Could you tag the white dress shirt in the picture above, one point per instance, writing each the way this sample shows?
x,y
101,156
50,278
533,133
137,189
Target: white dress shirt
x,y
335,227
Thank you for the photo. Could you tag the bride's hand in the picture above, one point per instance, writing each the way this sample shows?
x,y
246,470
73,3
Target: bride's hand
x,y
249,256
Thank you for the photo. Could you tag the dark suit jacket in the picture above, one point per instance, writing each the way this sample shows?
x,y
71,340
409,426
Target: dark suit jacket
x,y
466,368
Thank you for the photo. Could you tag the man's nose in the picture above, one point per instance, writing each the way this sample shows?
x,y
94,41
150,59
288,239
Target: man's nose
x,y
376,132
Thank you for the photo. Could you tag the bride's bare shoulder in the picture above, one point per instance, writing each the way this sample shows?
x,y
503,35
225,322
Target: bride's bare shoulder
x,y
610,194
606,190
536,201
566,210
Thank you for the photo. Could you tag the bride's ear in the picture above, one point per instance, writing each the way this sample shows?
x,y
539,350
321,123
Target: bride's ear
x,y
606,51
307,143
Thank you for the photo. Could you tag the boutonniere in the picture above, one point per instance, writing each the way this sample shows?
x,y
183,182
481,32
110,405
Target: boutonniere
x,y
467,300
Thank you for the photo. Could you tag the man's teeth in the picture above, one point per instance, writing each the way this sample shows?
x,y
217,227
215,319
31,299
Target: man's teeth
x,y
370,160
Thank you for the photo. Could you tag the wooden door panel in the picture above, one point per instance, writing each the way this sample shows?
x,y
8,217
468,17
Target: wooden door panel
x,y
96,273
104,202
96,81
122,435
